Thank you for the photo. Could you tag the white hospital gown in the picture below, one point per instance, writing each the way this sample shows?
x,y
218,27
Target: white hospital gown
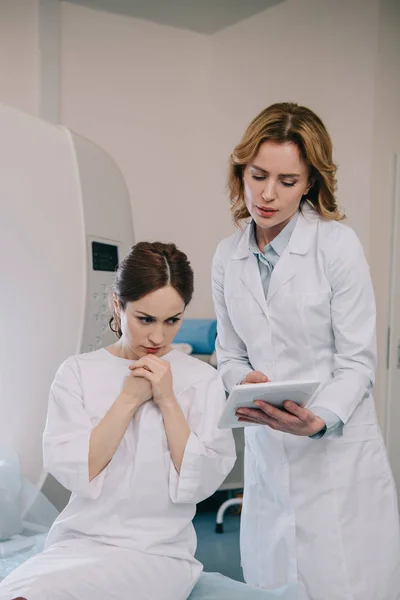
x,y
128,532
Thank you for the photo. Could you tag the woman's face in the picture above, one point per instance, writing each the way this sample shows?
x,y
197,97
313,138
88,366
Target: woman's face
x,y
150,324
274,183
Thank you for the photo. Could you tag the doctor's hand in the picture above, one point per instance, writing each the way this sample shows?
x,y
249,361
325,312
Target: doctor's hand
x,y
294,419
255,377
158,373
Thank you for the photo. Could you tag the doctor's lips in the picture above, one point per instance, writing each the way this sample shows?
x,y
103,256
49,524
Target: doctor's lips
x,y
266,211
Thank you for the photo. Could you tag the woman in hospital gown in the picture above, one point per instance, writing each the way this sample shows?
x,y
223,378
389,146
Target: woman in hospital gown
x,y
132,432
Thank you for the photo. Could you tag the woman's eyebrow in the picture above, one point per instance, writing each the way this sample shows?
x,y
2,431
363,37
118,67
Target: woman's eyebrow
x,y
280,175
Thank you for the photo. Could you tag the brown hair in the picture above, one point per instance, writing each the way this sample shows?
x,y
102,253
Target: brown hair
x,y
148,267
288,122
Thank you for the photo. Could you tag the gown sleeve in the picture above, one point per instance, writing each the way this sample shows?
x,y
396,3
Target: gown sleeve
x,y
67,434
210,452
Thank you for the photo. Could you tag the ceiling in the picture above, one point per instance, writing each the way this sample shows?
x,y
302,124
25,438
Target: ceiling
x,y
202,16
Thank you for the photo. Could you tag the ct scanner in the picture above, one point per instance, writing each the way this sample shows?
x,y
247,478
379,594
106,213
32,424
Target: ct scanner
x,y
65,222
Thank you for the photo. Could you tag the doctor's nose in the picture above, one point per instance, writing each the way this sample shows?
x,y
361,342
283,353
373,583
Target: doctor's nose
x,y
269,192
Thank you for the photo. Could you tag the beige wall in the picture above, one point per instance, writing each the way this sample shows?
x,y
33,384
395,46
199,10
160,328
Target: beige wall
x,y
169,105
315,52
19,54
386,141
141,91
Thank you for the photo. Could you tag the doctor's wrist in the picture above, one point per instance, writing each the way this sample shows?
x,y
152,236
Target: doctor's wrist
x,y
318,427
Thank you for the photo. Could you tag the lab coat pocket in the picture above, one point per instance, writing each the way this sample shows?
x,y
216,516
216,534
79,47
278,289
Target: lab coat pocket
x,y
318,305
315,304
315,309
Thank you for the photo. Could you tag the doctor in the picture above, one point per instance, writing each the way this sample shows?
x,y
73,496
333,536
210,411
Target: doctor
x,y
294,300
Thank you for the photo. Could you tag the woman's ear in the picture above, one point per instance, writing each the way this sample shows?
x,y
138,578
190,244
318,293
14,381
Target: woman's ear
x,y
116,305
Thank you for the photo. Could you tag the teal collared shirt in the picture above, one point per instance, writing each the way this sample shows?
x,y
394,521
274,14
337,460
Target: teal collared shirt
x,y
272,251
266,263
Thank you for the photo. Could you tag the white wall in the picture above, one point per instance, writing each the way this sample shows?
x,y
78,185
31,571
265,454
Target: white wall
x,y
386,141
169,105
314,52
141,91
19,54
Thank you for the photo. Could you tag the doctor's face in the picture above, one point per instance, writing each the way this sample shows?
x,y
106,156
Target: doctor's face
x,y
274,183
150,324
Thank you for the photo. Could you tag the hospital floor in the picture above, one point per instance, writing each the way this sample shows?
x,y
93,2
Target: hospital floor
x,y
218,552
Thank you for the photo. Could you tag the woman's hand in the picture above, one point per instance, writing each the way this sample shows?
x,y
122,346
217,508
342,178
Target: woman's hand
x,y
294,419
136,391
158,373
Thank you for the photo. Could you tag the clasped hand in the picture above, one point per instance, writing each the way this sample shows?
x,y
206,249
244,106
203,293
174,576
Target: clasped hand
x,y
158,373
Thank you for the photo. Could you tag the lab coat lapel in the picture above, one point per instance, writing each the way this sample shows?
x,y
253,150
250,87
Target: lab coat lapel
x,y
250,274
252,280
299,243
282,273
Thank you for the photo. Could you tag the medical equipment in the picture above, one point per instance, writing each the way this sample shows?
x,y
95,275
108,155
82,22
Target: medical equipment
x,y
275,393
65,223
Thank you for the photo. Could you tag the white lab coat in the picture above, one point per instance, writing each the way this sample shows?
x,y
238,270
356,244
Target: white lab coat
x,y
320,512
128,532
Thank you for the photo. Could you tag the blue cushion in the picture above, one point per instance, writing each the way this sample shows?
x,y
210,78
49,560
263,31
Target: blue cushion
x,y
199,333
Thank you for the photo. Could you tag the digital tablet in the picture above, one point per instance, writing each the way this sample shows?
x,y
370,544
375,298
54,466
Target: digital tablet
x,y
274,393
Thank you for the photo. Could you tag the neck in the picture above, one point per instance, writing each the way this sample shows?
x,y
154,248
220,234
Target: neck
x,y
122,350
266,236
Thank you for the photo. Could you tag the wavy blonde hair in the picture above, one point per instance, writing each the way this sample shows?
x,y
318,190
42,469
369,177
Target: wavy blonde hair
x,y
288,122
